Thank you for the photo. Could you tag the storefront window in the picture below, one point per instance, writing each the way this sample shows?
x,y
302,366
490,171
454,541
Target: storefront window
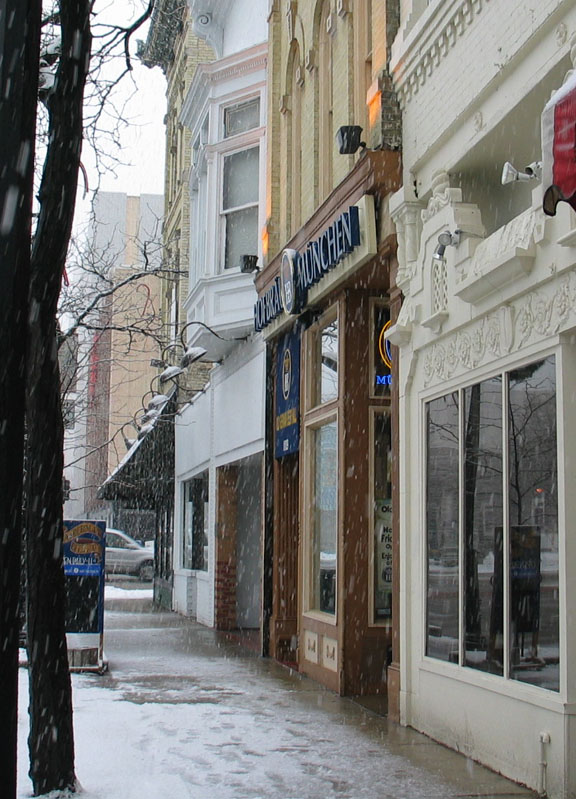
x,y
466,501
194,523
442,514
533,512
483,523
324,519
382,517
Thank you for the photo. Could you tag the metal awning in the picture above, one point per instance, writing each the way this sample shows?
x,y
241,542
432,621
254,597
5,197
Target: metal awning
x,y
145,475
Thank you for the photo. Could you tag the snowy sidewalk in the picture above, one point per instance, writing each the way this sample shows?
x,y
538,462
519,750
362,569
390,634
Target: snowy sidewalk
x,y
182,715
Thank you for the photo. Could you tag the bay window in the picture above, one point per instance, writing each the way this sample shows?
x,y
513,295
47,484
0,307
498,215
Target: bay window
x,y
240,205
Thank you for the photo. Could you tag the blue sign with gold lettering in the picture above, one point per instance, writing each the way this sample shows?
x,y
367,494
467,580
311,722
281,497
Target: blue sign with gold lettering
x,y
287,417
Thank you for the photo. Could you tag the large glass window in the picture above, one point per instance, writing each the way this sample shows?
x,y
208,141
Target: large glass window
x,y
240,205
322,364
502,525
533,513
382,475
194,523
483,523
442,501
324,518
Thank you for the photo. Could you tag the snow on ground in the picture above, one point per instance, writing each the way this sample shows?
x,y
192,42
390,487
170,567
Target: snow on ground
x,y
115,592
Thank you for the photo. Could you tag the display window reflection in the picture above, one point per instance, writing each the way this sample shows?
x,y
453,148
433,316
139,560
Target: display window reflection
x,y
499,522
382,497
323,358
324,519
194,523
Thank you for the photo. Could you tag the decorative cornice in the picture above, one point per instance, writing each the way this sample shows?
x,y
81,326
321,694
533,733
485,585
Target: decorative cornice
x,y
427,45
535,316
165,25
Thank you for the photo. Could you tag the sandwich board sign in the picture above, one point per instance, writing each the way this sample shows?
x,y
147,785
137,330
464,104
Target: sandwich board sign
x,y
84,552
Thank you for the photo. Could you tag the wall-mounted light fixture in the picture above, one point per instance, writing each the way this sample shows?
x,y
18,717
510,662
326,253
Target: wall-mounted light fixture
x,y
531,172
349,139
192,355
448,239
170,373
248,263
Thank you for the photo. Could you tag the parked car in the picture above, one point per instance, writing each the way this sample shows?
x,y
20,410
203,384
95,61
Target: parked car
x,y
125,555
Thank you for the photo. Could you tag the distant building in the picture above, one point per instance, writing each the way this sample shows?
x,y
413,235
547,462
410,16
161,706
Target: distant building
x,y
114,371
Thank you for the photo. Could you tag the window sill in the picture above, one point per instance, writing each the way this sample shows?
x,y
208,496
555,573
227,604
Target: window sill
x,y
318,615
510,689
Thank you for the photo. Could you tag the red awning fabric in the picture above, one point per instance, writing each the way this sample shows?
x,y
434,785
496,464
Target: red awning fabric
x,y
559,147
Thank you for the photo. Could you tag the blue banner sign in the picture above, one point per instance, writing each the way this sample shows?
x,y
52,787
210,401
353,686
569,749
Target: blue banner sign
x,y
287,417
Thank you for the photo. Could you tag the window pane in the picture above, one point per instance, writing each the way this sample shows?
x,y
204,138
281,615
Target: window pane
x,y
240,179
243,117
324,519
442,499
328,358
483,519
241,236
533,509
194,521
382,517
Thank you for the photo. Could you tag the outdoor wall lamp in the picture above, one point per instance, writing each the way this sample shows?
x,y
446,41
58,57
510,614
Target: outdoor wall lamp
x,y
170,373
448,239
192,355
531,172
348,139
248,263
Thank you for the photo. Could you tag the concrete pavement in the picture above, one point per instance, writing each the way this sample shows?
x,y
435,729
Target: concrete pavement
x,y
250,728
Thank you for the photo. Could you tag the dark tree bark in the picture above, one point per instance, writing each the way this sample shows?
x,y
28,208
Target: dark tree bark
x,y
19,46
51,740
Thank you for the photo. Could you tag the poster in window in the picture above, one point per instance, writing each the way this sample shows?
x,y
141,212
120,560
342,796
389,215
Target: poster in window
x,y
383,559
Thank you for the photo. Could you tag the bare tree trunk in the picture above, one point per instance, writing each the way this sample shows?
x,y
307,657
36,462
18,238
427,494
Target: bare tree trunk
x,y
51,740
19,45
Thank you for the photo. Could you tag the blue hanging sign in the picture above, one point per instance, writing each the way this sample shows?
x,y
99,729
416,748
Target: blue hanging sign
x,y
287,417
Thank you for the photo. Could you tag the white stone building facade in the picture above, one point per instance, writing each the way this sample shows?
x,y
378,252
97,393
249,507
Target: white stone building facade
x,y
486,357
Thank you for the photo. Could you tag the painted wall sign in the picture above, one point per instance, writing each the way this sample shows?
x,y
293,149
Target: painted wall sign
x,y
300,270
287,415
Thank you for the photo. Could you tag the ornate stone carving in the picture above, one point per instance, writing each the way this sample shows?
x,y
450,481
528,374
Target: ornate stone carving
x,y
536,316
442,195
407,221
443,40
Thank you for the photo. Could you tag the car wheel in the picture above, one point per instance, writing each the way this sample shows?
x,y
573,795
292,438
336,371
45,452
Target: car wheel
x,y
146,571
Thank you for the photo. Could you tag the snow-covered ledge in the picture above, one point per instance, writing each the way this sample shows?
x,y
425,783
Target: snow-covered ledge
x,y
507,255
